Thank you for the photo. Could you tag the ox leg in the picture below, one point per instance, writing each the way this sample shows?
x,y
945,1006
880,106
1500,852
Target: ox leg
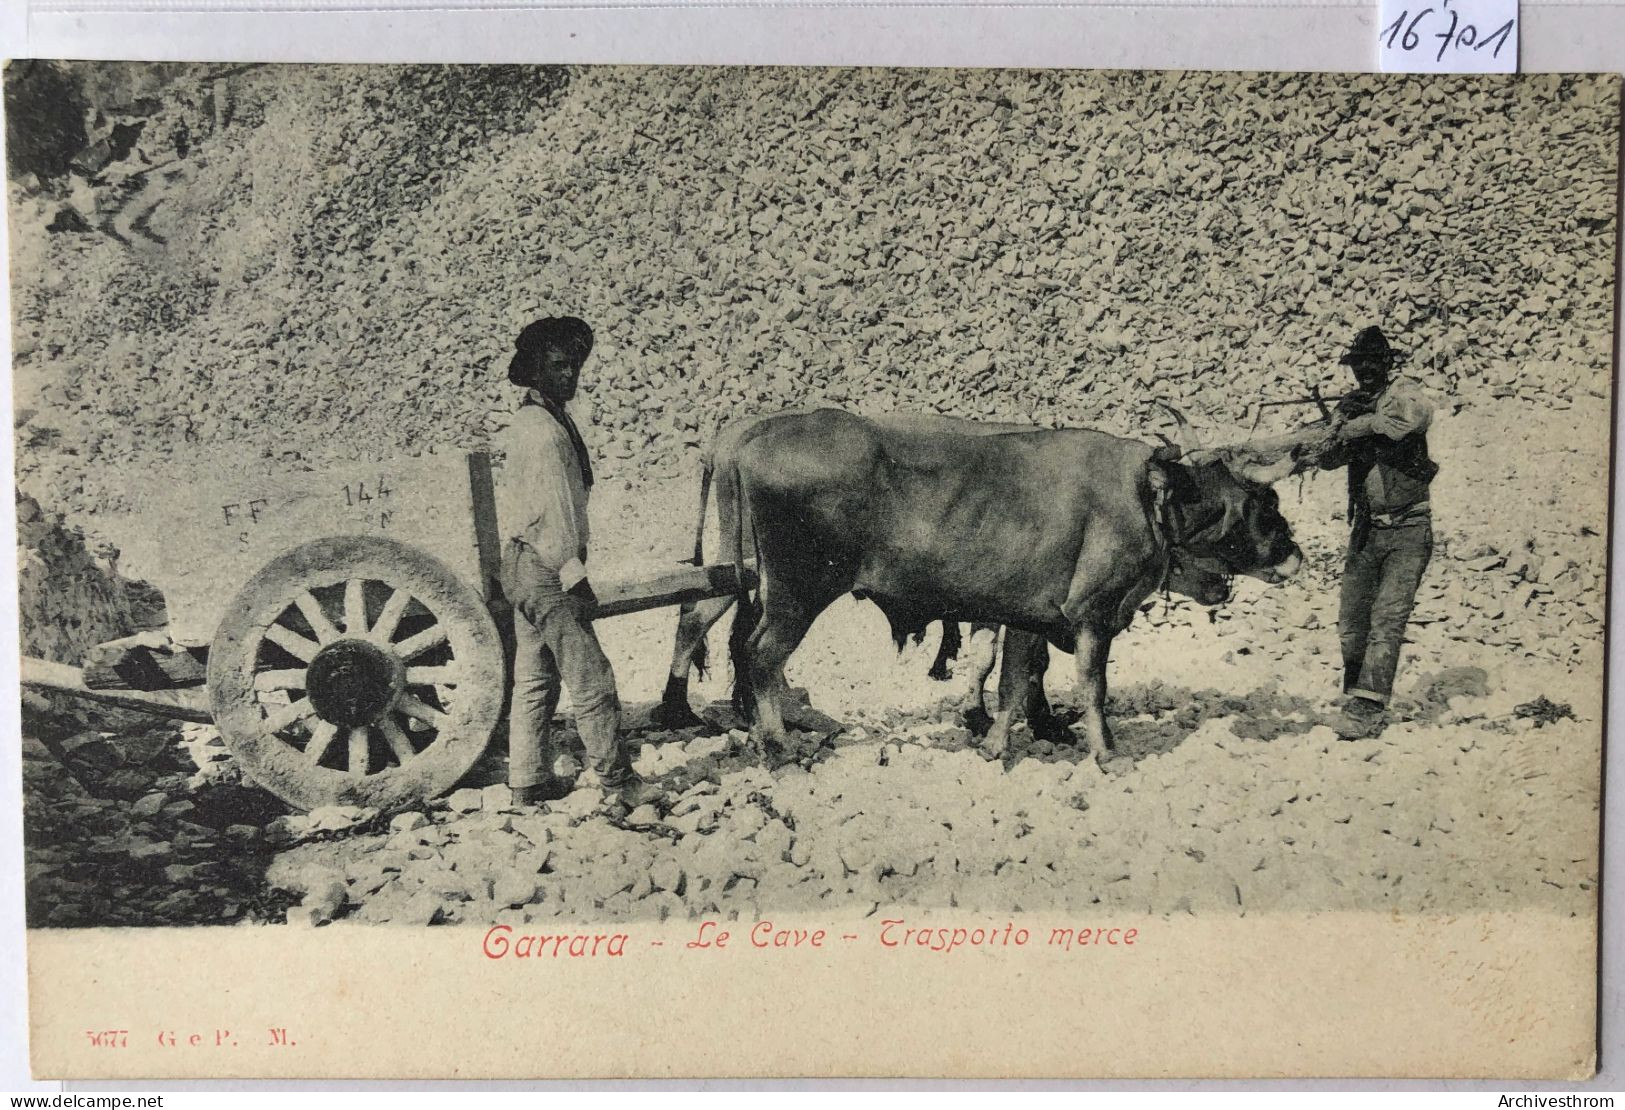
x,y
984,651
694,623
947,651
1035,704
777,635
1093,649
1013,678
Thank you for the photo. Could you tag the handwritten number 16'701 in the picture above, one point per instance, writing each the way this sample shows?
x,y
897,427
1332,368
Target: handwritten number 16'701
x,y
1403,30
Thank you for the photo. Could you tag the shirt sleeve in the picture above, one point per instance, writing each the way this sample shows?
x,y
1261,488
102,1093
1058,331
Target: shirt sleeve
x,y
1400,411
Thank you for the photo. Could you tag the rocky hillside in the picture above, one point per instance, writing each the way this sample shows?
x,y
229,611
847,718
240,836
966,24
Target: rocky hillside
x,y
302,264
73,598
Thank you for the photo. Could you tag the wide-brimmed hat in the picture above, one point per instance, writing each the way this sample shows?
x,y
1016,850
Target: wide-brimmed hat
x,y
567,332
1371,346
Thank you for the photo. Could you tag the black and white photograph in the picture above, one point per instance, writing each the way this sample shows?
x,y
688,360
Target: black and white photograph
x,y
553,500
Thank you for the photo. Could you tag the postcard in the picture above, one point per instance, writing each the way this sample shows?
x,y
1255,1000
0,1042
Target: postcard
x,y
552,571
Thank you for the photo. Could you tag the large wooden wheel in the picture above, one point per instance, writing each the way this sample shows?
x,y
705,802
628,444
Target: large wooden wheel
x,y
356,670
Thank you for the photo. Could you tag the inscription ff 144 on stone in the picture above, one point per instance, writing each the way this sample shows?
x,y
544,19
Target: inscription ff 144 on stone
x,y
217,534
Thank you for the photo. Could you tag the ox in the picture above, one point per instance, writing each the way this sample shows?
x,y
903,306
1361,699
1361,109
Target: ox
x,y
718,465
1058,534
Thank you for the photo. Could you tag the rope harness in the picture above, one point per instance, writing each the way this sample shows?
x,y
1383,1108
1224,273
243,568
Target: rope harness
x,y
1167,525
1164,524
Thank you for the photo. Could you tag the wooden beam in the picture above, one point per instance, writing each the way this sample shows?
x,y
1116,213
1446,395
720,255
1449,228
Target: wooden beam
x,y
145,661
1277,444
685,583
187,705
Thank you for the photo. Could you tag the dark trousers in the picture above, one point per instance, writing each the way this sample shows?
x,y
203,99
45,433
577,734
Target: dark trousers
x,y
1380,579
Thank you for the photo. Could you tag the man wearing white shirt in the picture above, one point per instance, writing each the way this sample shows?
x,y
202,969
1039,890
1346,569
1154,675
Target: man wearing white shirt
x,y
543,514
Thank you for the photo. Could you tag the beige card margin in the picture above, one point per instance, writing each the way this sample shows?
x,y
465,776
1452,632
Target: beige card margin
x,y
1506,995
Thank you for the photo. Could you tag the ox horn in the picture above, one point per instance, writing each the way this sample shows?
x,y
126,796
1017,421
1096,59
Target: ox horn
x,y
1186,436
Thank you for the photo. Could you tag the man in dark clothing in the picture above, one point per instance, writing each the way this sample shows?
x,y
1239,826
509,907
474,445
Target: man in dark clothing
x,y
1380,434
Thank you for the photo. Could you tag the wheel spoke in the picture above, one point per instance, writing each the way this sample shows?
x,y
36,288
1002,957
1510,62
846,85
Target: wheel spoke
x,y
417,710
314,654
399,742
326,633
292,643
359,747
422,642
355,607
288,714
321,737
280,680
390,617
433,676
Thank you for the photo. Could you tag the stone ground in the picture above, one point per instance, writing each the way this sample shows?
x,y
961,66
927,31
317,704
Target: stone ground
x,y
1228,792
1239,800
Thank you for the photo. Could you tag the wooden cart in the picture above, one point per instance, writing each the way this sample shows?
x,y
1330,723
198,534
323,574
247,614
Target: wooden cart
x,y
364,667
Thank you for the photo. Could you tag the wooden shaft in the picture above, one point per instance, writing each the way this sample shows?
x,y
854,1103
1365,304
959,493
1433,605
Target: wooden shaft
x,y
180,705
687,583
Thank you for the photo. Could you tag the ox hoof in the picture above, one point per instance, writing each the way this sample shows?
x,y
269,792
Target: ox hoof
x,y
772,751
675,716
996,747
939,673
978,720
1054,730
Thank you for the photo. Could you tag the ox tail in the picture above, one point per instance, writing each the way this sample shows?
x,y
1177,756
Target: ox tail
x,y
748,610
746,616
707,464
701,659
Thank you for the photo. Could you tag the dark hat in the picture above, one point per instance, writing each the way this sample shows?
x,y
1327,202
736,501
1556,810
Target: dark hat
x,y
567,333
1371,346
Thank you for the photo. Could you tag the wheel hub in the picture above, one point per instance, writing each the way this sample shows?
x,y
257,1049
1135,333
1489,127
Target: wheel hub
x,y
352,682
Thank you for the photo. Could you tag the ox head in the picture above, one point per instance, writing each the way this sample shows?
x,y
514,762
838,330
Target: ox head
x,y
1224,515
